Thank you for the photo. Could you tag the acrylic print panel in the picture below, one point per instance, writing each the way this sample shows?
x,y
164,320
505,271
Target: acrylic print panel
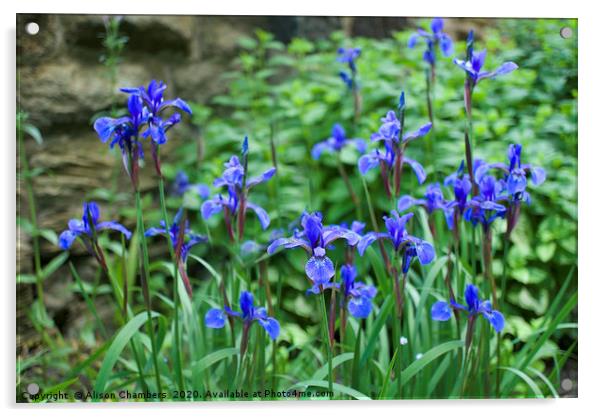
x,y
224,208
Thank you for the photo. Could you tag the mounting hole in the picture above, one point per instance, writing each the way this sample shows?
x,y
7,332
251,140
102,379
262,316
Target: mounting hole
x,y
566,384
32,28
566,32
33,389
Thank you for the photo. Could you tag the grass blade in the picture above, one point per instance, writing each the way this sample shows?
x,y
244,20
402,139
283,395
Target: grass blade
x,y
121,339
343,389
525,378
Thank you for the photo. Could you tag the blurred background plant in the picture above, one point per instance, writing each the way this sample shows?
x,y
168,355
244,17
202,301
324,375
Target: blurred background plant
x,y
287,97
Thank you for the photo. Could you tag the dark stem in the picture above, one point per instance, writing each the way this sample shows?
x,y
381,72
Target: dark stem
x,y
347,181
487,257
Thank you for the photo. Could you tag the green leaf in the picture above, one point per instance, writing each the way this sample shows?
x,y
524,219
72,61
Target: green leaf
x,y
121,339
532,384
56,389
336,361
208,266
343,389
26,279
545,380
54,264
213,358
545,252
34,132
529,275
387,377
375,329
416,366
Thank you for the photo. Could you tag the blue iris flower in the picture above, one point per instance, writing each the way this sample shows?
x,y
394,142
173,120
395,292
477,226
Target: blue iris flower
x,y
182,238
391,128
336,142
358,295
216,318
238,185
182,185
461,185
442,310
315,239
87,226
474,67
349,56
485,207
516,174
123,131
152,96
460,182
433,38
401,240
433,200
395,141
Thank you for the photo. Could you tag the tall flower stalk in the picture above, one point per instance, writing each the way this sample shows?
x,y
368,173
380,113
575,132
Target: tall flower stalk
x,y
348,56
237,182
216,318
405,248
316,238
391,161
434,39
473,66
145,120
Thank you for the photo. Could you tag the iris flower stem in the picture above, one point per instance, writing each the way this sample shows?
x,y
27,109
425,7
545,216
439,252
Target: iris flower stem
x,y
487,259
347,181
375,226
127,312
176,296
326,339
343,341
467,353
499,338
151,329
398,325
265,283
430,87
504,269
88,301
468,134
357,102
473,249
504,278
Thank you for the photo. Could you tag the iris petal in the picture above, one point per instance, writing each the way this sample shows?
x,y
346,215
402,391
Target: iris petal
x,y
271,326
262,215
117,227
215,318
418,169
497,320
471,296
538,175
359,307
440,311
246,304
319,269
66,239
